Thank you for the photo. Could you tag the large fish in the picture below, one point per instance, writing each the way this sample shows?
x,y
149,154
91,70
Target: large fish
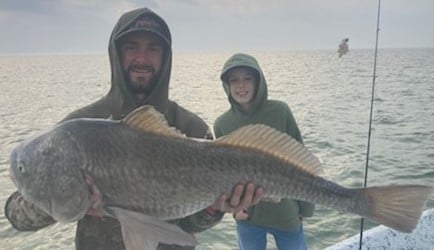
x,y
147,172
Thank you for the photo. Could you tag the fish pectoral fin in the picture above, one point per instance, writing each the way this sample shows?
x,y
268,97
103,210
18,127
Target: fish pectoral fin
x,y
141,231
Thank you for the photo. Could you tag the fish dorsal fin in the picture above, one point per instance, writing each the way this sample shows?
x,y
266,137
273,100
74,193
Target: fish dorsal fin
x,y
147,119
273,142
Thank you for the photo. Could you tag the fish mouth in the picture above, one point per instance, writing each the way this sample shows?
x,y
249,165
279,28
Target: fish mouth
x,y
12,176
13,168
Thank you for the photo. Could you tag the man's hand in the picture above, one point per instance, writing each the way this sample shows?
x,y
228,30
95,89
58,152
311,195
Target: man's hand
x,y
243,196
95,197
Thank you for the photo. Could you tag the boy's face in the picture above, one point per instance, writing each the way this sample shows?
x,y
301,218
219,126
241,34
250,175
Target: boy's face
x,y
241,83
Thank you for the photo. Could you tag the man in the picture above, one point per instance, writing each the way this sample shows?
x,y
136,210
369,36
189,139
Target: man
x,y
140,58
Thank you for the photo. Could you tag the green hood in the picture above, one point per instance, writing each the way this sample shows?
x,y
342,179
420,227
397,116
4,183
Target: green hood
x,y
244,60
120,101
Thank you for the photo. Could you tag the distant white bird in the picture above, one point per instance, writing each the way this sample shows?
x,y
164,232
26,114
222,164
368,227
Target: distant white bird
x,y
343,47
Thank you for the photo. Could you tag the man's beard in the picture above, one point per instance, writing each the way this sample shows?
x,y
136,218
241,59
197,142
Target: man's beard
x,y
142,85
143,88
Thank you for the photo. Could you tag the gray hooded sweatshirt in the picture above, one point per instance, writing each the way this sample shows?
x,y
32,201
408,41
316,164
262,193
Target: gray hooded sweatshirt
x,y
95,233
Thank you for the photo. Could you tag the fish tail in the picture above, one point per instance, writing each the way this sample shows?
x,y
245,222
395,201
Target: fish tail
x,y
398,207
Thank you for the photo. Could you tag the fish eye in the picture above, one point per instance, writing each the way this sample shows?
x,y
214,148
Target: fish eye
x,y
21,168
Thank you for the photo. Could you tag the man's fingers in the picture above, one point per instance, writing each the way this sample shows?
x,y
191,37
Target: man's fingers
x,y
221,203
243,196
236,196
259,194
247,197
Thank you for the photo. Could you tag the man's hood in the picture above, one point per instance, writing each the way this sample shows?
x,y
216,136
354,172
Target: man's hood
x,y
120,96
244,60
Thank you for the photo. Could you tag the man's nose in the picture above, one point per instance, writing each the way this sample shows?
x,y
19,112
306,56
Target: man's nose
x,y
142,55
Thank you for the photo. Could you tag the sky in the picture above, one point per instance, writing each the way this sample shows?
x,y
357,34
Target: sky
x,y
84,26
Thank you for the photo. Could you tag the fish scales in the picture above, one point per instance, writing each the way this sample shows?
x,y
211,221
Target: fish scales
x,y
143,176
169,161
277,178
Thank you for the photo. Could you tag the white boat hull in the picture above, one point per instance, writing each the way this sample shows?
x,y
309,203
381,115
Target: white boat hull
x,y
382,237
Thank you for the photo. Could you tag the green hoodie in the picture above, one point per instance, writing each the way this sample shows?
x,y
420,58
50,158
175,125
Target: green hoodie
x,y
276,114
104,233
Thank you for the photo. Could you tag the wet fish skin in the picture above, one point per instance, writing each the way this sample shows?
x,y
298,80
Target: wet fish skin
x,y
140,164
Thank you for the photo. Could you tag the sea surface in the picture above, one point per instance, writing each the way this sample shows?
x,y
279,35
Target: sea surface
x,y
329,97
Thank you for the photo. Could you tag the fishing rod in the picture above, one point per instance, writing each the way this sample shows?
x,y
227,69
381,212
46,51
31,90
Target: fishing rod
x,y
370,117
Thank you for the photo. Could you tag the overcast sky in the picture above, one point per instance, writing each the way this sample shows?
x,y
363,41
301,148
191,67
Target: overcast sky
x,y
83,26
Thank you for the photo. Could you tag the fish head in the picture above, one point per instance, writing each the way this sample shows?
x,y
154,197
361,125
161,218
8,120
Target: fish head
x,y
46,171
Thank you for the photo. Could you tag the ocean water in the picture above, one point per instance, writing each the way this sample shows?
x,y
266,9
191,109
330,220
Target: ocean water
x,y
329,97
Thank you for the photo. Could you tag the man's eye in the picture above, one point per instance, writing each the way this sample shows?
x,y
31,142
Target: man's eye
x,y
129,48
156,48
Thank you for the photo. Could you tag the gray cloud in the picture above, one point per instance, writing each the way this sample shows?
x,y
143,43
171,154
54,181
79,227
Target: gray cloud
x,y
62,26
